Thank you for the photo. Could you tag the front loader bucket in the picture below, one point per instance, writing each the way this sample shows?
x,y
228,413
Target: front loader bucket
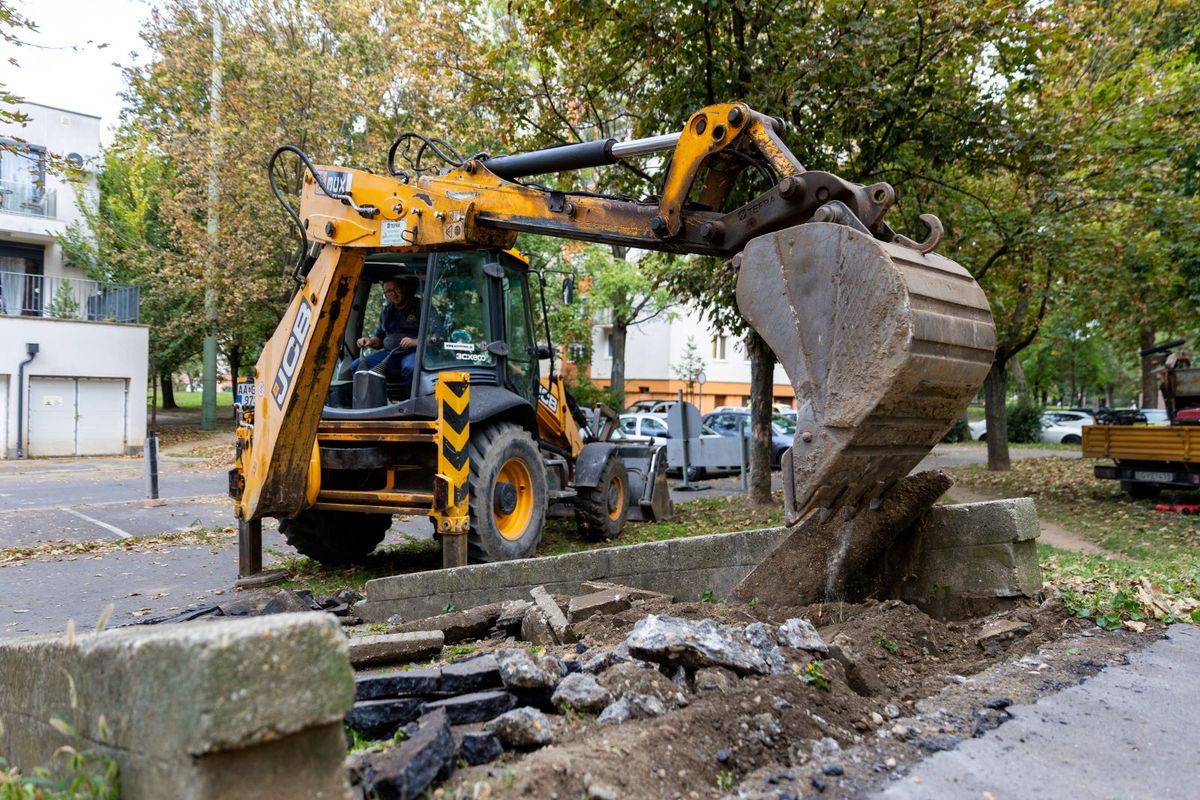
x,y
885,347
649,495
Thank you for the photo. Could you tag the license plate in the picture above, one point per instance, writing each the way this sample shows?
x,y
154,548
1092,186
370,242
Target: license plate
x,y
1158,477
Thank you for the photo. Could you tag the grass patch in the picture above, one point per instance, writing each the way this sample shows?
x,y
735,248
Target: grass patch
x,y
411,555
697,518
194,400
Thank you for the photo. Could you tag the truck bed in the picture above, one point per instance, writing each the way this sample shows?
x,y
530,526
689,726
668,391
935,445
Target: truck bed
x,y
1177,444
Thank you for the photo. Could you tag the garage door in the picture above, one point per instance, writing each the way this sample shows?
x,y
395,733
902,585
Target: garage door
x,y
76,416
4,443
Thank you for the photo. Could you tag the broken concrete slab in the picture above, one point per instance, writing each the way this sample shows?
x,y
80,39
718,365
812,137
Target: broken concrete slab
x,y
608,601
512,614
632,706
392,648
632,592
581,692
471,675
536,630
694,644
254,604
406,771
998,634
812,564
190,709
473,707
521,669
554,615
799,634
379,719
521,728
397,684
458,626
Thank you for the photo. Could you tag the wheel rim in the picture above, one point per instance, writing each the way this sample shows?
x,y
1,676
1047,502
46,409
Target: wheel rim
x,y
512,526
616,498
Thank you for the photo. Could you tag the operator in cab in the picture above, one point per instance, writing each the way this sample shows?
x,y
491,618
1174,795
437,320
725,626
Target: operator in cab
x,y
396,337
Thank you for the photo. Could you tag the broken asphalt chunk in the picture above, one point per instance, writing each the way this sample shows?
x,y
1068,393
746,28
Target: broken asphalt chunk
x,y
379,719
399,684
473,707
471,675
405,772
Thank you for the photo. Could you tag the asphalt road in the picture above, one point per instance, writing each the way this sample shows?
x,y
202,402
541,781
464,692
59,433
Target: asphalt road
x,y
1129,732
84,499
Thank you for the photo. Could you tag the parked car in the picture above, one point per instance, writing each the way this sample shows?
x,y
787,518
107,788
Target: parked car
x,y
726,423
1058,427
650,407
1156,416
652,427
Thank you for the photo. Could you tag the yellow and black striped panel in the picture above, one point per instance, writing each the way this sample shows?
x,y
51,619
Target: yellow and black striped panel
x,y
454,432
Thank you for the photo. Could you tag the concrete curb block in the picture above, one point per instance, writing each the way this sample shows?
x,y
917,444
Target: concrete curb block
x,y
684,568
193,710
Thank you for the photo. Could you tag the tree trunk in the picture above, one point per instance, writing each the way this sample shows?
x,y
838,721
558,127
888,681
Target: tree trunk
x,y
617,379
1149,379
1108,395
762,381
235,366
168,390
995,395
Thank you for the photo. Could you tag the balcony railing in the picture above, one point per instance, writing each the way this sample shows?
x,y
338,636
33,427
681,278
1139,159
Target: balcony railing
x,y
24,197
23,295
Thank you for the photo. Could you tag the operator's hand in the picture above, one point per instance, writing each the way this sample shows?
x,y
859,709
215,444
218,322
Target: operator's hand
x,y
408,344
370,341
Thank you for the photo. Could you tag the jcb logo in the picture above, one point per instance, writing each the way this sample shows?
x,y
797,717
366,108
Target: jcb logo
x,y
291,353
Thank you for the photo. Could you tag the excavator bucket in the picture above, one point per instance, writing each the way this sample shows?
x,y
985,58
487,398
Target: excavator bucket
x,y
884,345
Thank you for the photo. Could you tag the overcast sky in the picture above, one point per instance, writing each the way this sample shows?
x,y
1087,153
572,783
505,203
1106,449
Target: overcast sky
x,y
85,79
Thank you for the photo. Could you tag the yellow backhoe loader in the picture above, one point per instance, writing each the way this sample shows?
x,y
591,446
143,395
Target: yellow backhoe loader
x,y
884,342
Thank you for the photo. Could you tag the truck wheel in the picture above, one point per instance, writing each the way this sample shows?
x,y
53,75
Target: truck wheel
x,y
1140,491
600,510
508,493
335,537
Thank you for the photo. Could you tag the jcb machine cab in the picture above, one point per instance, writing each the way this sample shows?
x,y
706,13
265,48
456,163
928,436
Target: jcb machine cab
x,y
450,418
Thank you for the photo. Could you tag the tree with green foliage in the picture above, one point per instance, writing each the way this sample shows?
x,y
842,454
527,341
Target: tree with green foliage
x,y
690,365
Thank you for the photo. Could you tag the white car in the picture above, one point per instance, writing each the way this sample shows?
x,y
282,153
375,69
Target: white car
x,y
1058,427
1156,416
652,427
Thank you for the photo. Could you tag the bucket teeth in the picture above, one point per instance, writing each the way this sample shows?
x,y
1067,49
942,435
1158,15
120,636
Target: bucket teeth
x,y
884,346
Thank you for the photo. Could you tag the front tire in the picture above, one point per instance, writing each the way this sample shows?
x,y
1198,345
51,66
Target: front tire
x,y
335,537
1072,439
508,493
600,510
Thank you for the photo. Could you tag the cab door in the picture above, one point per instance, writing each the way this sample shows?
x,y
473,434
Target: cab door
x,y
517,318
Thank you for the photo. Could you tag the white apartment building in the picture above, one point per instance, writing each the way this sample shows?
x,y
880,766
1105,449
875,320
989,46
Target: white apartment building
x,y
654,349
73,359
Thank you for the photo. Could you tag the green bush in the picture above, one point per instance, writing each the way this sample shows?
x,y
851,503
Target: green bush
x,y
959,432
1024,421
588,394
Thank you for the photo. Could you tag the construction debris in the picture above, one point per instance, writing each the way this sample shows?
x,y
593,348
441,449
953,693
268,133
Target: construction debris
x,y
393,648
522,728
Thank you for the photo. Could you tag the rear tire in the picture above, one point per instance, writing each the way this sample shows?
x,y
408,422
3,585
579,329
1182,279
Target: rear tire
x,y
335,537
600,510
508,493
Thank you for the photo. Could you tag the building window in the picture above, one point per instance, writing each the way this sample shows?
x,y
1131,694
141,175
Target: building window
x,y
608,347
577,352
718,348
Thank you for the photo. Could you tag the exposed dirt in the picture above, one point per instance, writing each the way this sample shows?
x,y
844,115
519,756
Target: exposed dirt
x,y
902,685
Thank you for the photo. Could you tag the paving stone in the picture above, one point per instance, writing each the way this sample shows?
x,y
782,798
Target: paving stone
x,y
694,644
609,601
522,728
398,684
379,719
800,634
520,669
473,707
582,692
471,675
390,648
554,614
406,771
479,747
471,623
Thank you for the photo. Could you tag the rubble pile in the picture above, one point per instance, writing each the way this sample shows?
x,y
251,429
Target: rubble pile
x,y
521,698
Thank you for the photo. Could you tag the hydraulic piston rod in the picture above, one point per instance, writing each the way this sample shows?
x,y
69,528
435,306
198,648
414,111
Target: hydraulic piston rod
x,y
577,156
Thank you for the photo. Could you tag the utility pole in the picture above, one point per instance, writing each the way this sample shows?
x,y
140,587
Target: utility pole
x,y
208,413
